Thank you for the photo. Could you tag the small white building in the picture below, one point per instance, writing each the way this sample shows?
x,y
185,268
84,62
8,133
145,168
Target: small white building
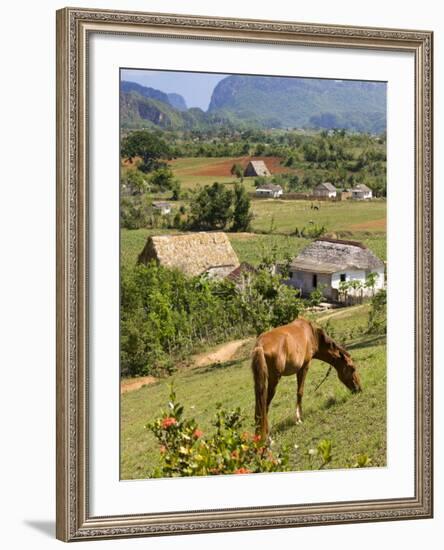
x,y
361,192
326,189
163,207
269,190
326,263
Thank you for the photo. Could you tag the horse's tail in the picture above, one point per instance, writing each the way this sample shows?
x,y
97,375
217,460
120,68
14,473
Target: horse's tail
x,y
260,374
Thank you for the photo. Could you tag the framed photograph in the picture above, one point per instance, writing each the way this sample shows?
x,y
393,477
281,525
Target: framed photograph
x,y
244,274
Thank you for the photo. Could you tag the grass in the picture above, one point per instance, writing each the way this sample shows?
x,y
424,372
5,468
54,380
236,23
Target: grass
x,y
356,424
350,216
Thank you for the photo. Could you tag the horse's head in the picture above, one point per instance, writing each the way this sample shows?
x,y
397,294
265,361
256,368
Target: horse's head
x,y
347,371
330,352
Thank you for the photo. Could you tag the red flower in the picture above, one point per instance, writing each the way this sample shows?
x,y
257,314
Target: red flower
x,y
235,454
257,438
197,433
168,421
242,471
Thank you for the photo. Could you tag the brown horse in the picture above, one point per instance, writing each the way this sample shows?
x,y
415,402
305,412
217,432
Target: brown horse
x,y
288,350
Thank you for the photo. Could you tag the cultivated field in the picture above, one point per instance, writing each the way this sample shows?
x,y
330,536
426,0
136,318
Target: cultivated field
x,y
354,423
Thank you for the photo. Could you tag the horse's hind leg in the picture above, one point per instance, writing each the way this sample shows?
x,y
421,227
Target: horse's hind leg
x,y
273,380
301,374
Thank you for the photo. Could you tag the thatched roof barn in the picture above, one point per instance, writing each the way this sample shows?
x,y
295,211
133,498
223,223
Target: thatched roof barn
x,y
256,168
192,253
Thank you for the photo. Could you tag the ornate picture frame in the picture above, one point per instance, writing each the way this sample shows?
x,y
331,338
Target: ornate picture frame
x,y
74,29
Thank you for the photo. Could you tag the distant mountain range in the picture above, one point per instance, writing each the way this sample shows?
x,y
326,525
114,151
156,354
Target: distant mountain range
x,y
266,102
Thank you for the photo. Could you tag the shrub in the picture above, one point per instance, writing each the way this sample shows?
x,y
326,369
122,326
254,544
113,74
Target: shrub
x,y
377,319
188,451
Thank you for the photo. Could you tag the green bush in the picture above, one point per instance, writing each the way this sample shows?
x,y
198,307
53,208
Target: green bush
x,y
186,451
377,319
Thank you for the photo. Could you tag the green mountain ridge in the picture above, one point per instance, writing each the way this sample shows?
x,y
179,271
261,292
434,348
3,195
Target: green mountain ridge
x,y
264,102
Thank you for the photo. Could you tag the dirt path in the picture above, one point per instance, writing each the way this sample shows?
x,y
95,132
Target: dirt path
x,y
132,384
222,353
339,312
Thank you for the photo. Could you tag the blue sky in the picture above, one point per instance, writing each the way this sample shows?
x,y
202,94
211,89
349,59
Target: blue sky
x,y
196,88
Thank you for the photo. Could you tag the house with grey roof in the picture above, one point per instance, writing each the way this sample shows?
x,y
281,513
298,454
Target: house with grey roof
x,y
326,263
361,192
269,190
256,168
325,189
163,207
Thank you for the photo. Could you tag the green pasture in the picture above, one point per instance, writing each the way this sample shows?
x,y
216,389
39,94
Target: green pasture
x,y
356,424
352,216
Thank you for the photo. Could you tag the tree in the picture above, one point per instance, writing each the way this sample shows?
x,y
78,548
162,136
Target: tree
x,y
370,281
237,170
212,207
242,215
163,178
134,182
175,190
148,146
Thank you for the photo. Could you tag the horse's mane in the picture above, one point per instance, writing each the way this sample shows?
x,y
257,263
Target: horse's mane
x,y
319,331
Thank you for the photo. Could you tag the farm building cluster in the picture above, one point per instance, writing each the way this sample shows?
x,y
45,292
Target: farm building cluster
x,y
324,264
323,191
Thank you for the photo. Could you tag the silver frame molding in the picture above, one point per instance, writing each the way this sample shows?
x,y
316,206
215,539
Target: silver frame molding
x,y
73,519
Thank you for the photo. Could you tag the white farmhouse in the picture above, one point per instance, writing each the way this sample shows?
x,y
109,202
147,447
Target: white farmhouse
x,y
326,263
163,207
269,190
361,192
326,189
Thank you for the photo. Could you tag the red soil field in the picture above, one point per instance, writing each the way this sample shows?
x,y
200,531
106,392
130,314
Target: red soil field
x,y
223,167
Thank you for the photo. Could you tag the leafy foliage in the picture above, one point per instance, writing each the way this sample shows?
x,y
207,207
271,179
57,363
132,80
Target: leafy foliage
x,y
242,214
377,319
166,315
188,451
212,207
149,146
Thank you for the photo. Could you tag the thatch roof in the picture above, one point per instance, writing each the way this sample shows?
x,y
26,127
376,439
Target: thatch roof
x,y
331,255
361,187
325,186
192,253
256,168
269,187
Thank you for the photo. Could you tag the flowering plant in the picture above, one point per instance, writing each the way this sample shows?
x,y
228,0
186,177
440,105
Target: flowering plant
x,y
185,450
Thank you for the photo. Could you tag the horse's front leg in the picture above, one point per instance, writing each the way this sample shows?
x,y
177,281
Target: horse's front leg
x,y
301,374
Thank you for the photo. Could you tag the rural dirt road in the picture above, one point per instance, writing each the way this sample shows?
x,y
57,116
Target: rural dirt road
x,y
220,354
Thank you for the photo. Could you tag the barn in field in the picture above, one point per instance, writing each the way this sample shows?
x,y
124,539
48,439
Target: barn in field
x,y
361,192
192,253
256,168
326,263
326,190
269,190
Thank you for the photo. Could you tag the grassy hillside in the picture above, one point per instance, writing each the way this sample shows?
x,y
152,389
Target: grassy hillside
x,y
354,423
